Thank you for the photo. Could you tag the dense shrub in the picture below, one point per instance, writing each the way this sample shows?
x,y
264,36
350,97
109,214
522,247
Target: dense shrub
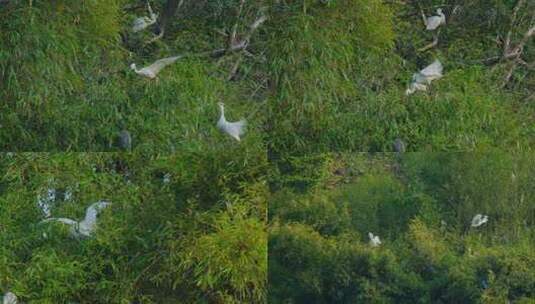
x,y
195,238
420,205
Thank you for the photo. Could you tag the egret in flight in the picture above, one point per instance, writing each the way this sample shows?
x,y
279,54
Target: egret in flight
x,y
152,70
374,240
87,226
422,79
142,23
479,220
10,298
234,129
433,22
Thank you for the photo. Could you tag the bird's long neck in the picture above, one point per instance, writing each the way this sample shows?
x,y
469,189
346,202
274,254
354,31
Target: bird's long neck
x,y
92,217
134,67
222,110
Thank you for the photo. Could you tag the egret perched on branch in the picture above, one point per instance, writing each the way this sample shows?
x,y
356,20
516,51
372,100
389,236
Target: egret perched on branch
x,y
433,22
374,240
142,23
10,298
479,220
86,227
234,129
152,70
423,78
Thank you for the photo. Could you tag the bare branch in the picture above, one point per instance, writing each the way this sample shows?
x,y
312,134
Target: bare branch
x,y
243,43
512,67
507,44
517,51
254,27
430,45
234,33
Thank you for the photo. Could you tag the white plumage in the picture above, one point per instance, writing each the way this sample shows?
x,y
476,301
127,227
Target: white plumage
x,y
10,298
87,226
166,178
152,70
142,23
479,220
45,203
374,240
234,129
422,79
433,22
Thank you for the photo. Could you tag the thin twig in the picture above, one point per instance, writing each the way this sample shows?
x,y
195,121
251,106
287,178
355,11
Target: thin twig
x,y
507,44
430,45
232,39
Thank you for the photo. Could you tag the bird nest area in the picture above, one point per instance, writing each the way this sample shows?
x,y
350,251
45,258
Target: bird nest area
x,y
240,151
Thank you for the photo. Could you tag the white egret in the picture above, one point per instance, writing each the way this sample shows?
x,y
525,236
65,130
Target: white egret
x,y
10,298
86,227
374,240
433,22
142,23
479,220
152,70
166,179
422,79
234,129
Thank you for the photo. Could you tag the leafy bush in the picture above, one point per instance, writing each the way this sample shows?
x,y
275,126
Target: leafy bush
x,y
193,226
421,206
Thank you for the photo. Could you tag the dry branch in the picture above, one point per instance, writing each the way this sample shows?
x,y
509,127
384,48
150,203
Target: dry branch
x,y
430,45
513,54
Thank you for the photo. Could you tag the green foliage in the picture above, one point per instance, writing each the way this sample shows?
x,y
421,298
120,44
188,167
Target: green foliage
x,y
197,226
66,84
229,264
321,78
421,206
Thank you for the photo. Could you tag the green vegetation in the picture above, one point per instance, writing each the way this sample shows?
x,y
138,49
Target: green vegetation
x,y
318,82
320,76
200,238
421,206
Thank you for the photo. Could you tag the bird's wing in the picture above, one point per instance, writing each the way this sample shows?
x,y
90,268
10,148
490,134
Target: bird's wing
x,y
434,69
240,125
61,220
419,78
433,22
476,221
139,24
161,63
235,128
10,298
